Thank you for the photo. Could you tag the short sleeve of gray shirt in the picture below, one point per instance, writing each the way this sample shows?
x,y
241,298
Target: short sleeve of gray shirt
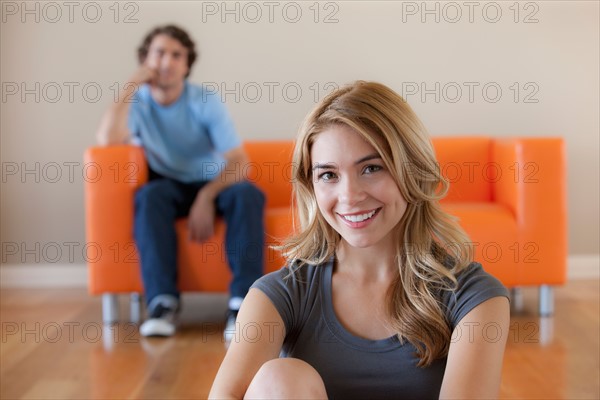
x,y
355,367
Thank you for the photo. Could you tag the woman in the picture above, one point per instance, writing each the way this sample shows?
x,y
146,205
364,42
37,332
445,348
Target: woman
x,y
380,297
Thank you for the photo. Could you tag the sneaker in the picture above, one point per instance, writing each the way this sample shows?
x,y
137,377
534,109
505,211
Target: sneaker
x,y
160,323
230,327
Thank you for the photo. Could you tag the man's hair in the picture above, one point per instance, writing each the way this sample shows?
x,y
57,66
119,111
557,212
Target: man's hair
x,y
176,33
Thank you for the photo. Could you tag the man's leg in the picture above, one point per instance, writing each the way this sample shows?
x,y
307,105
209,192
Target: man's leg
x,y
242,207
157,205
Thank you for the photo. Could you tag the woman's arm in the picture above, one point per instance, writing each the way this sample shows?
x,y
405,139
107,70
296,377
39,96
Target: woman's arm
x,y
259,336
474,366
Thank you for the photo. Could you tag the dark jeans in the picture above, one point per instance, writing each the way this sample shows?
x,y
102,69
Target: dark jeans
x,y
163,200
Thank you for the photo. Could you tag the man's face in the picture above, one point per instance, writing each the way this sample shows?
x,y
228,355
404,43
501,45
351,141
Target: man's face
x,y
169,58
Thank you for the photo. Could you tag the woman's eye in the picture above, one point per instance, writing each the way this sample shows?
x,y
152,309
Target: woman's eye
x,y
369,169
327,176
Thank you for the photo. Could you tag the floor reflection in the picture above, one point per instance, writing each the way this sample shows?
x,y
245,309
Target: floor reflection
x,y
126,365
534,347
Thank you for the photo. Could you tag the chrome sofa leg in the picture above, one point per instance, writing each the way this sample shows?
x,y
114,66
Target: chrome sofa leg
x,y
110,308
516,299
135,308
546,299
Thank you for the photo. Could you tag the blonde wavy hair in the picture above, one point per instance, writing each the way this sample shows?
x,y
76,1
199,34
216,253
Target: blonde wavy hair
x,y
432,248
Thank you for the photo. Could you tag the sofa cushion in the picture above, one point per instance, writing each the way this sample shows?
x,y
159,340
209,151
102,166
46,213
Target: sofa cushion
x,y
270,168
496,247
465,163
204,267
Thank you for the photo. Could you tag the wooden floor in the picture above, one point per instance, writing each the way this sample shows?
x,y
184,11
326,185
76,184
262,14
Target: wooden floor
x,y
53,346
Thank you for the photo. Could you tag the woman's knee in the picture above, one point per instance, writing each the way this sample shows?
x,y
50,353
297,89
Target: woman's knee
x,y
284,378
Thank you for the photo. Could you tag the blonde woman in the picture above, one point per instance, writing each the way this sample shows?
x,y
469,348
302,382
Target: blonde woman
x,y
380,298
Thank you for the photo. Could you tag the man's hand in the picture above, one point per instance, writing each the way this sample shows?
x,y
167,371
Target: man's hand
x,y
201,221
144,74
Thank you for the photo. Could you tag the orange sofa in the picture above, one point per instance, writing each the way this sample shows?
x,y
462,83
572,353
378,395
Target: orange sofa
x,y
509,195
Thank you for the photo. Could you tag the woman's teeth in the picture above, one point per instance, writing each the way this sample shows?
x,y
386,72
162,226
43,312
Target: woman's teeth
x,y
359,217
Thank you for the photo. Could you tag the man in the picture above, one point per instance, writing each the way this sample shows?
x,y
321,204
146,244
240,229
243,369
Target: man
x,y
189,141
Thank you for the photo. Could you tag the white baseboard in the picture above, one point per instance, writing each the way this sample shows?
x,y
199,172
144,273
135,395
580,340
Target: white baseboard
x,y
585,266
43,275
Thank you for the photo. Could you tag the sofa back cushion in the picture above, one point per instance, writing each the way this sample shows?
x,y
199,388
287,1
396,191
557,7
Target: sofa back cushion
x,y
464,161
466,164
270,168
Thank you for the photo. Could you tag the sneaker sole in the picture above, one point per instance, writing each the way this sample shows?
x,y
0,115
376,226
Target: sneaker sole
x,y
157,327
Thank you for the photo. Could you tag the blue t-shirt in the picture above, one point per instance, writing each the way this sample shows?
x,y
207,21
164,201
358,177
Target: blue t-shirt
x,y
353,367
186,139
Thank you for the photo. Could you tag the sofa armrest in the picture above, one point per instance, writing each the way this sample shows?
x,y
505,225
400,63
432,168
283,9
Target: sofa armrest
x,y
113,174
530,179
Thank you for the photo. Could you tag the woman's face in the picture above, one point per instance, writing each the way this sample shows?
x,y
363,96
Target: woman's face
x,y
355,193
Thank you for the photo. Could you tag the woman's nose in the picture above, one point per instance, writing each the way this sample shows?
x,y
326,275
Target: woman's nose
x,y
351,191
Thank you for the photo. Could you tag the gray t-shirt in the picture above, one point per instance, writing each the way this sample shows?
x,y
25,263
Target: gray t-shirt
x,y
355,367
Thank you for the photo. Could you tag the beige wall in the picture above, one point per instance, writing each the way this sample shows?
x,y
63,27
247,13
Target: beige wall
x,y
553,59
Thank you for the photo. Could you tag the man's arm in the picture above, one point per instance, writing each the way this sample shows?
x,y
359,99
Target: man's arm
x,y
113,126
202,213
